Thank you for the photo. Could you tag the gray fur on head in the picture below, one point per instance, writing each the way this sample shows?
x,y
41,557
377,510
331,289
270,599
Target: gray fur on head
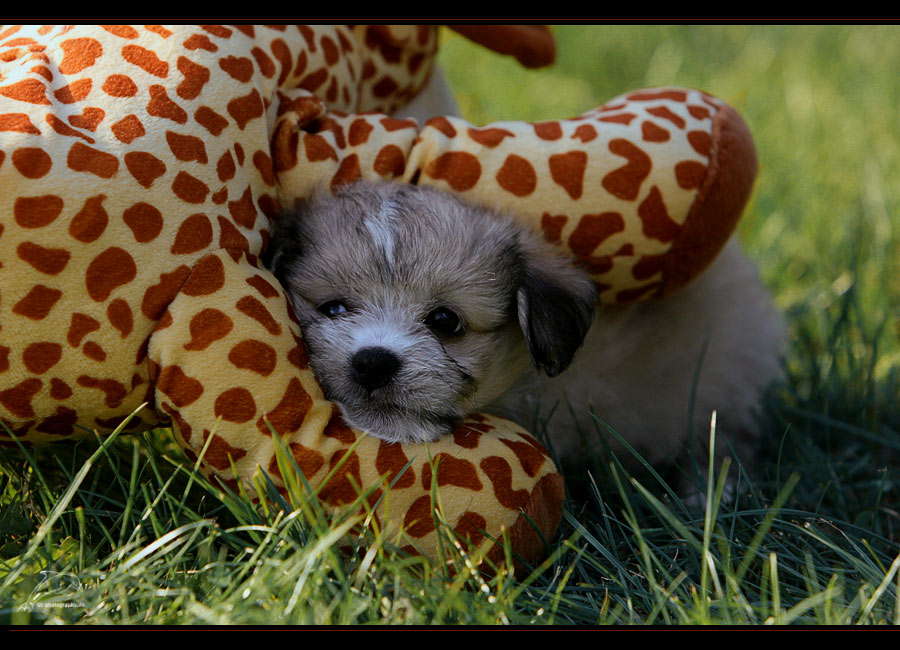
x,y
416,306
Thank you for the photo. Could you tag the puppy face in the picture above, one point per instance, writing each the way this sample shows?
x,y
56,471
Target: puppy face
x,y
417,308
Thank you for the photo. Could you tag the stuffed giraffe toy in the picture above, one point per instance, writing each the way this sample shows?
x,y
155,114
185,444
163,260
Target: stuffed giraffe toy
x,y
142,167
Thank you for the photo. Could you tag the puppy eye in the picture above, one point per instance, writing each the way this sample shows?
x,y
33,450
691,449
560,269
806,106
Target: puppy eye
x,y
332,308
444,321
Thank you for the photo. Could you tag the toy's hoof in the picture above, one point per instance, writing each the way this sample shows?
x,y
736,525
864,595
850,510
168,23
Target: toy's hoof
x,y
535,526
720,200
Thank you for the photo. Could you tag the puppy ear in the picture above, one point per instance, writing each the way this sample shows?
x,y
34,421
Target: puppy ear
x,y
556,307
285,241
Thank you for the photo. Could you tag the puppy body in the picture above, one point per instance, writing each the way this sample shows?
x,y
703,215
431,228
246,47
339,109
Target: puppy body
x,y
418,308
714,345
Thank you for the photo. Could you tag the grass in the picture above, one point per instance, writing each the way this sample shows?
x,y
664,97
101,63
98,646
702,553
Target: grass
x,y
138,538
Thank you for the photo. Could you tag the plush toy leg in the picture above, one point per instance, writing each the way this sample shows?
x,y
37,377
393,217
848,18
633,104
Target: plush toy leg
x,y
644,190
225,367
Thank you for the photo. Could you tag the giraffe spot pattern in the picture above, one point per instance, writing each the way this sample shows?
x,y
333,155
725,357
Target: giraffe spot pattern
x,y
79,54
418,520
338,429
93,351
657,224
80,326
567,171
187,148
18,123
592,230
210,120
289,413
530,457
253,308
119,85
207,277
74,92
500,473
490,137
189,189
243,211
62,423
340,488
246,108
38,302
144,167
162,106
128,129
59,390
120,317
38,358
91,220
452,471
690,174
37,211
235,405
113,391
17,400
83,158
390,161
195,77
206,327
158,139
158,296
30,91
254,355
471,527
179,387
309,461
109,270
517,176
391,461
144,220
459,169
51,261
32,162
64,129
625,182
220,454
229,237
552,226
194,234
89,119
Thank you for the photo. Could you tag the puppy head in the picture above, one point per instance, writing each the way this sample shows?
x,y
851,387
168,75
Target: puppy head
x,y
415,306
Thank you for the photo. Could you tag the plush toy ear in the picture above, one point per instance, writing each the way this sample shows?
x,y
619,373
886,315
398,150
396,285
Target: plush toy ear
x,y
532,45
556,307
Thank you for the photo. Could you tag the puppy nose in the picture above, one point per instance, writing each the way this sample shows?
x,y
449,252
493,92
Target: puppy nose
x,y
374,367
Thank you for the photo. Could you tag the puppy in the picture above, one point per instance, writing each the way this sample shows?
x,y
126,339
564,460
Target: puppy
x,y
418,308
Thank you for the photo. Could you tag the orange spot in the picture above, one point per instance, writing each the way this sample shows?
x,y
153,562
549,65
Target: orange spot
x,y
32,162
38,302
567,171
83,158
110,269
461,170
206,327
37,211
46,260
128,129
194,234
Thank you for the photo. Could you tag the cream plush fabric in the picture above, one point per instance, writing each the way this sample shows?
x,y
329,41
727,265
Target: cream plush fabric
x,y
141,168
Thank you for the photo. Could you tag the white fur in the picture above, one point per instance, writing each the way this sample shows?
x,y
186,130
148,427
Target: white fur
x,y
380,225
